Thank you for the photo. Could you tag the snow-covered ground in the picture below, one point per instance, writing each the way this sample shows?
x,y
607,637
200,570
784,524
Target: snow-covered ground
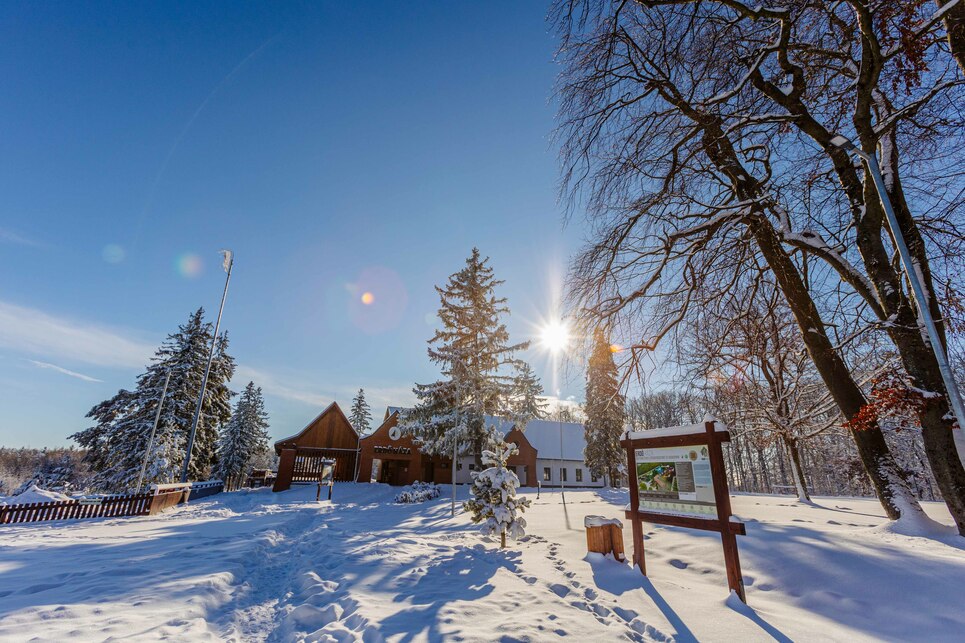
x,y
251,566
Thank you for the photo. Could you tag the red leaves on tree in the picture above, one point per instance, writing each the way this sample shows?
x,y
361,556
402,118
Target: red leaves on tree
x,y
891,397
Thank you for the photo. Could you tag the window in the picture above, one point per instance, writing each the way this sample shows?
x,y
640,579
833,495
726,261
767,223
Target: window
x,y
593,477
458,466
579,475
472,466
562,474
547,474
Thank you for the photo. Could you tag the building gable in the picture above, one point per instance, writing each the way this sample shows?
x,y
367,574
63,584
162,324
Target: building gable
x,y
329,430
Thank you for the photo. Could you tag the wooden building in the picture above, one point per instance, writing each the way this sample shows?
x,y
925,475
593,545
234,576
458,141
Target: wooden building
x,y
329,436
390,457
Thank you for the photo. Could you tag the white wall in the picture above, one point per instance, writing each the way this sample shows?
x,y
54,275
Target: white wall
x,y
571,466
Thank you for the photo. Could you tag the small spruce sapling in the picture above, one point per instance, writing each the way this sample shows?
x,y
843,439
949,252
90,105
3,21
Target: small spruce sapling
x,y
494,502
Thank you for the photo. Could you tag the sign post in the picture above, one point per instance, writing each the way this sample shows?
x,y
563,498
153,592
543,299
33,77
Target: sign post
x,y
677,478
326,476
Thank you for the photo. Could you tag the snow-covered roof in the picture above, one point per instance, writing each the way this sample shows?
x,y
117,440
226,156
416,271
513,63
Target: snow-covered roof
x,y
544,435
686,429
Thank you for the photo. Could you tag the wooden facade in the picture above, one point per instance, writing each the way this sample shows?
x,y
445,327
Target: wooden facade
x,y
391,458
329,436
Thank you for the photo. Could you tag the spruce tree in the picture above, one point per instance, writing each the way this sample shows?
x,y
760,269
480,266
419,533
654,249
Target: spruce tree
x,y
494,502
481,375
244,438
361,415
118,442
605,412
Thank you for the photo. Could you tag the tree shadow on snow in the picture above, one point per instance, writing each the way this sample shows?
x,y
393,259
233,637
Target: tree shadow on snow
x,y
464,574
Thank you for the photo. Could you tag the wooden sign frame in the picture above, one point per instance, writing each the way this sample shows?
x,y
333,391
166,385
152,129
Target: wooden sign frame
x,y
327,462
724,524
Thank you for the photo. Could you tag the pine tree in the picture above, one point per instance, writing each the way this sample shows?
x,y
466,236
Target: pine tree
x,y
361,415
244,438
605,412
481,374
117,443
494,501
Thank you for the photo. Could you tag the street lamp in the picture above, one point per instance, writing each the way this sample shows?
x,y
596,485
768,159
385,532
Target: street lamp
x,y
228,263
914,278
555,338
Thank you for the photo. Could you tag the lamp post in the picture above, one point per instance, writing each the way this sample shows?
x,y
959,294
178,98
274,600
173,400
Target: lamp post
x,y
228,263
150,440
555,338
914,278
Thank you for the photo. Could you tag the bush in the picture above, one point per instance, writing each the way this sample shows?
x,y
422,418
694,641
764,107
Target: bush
x,y
418,492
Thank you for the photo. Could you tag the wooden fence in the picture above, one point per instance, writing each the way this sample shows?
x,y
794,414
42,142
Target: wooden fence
x,y
160,498
108,507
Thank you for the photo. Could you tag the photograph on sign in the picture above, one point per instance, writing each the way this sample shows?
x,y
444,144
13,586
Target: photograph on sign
x,y
676,480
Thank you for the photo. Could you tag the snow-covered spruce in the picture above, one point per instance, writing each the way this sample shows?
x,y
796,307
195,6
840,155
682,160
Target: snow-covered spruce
x,y
361,415
243,438
117,445
481,373
418,492
494,502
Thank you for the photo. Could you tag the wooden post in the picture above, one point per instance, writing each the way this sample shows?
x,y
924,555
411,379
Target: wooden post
x,y
735,579
286,468
639,558
616,541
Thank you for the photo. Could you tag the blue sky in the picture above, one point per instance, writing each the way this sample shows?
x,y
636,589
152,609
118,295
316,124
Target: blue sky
x,y
337,148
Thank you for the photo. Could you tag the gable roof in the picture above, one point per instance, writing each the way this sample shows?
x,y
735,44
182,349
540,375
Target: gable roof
x,y
330,407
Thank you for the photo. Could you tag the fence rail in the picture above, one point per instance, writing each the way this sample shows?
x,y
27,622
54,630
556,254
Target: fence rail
x,y
138,504
108,507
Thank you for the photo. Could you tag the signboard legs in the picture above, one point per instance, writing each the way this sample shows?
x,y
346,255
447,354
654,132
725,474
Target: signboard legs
x,y
681,479
639,559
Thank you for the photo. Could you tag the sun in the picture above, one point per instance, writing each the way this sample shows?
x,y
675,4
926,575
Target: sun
x,y
555,336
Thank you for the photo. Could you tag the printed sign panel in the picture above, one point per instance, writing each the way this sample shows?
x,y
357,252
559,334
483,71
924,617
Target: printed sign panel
x,y
676,480
328,473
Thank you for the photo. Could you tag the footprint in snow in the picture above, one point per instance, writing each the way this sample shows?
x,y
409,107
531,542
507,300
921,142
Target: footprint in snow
x,y
559,590
679,564
625,614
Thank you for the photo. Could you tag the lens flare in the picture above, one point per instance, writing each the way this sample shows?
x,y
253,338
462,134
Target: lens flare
x,y
113,253
189,265
378,301
615,348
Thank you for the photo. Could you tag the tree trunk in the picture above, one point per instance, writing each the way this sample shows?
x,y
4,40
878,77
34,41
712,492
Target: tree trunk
x,y
502,539
918,358
796,471
955,28
885,474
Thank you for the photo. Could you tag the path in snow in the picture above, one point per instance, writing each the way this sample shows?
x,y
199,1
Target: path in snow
x,y
257,566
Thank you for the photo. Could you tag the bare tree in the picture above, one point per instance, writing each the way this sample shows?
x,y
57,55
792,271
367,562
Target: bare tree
x,y
688,133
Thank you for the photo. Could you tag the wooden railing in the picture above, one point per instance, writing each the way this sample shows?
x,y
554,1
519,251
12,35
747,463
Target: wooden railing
x,y
160,498
106,507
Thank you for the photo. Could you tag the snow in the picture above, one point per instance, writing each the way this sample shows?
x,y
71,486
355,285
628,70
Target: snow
x,y
34,494
686,429
601,521
254,566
